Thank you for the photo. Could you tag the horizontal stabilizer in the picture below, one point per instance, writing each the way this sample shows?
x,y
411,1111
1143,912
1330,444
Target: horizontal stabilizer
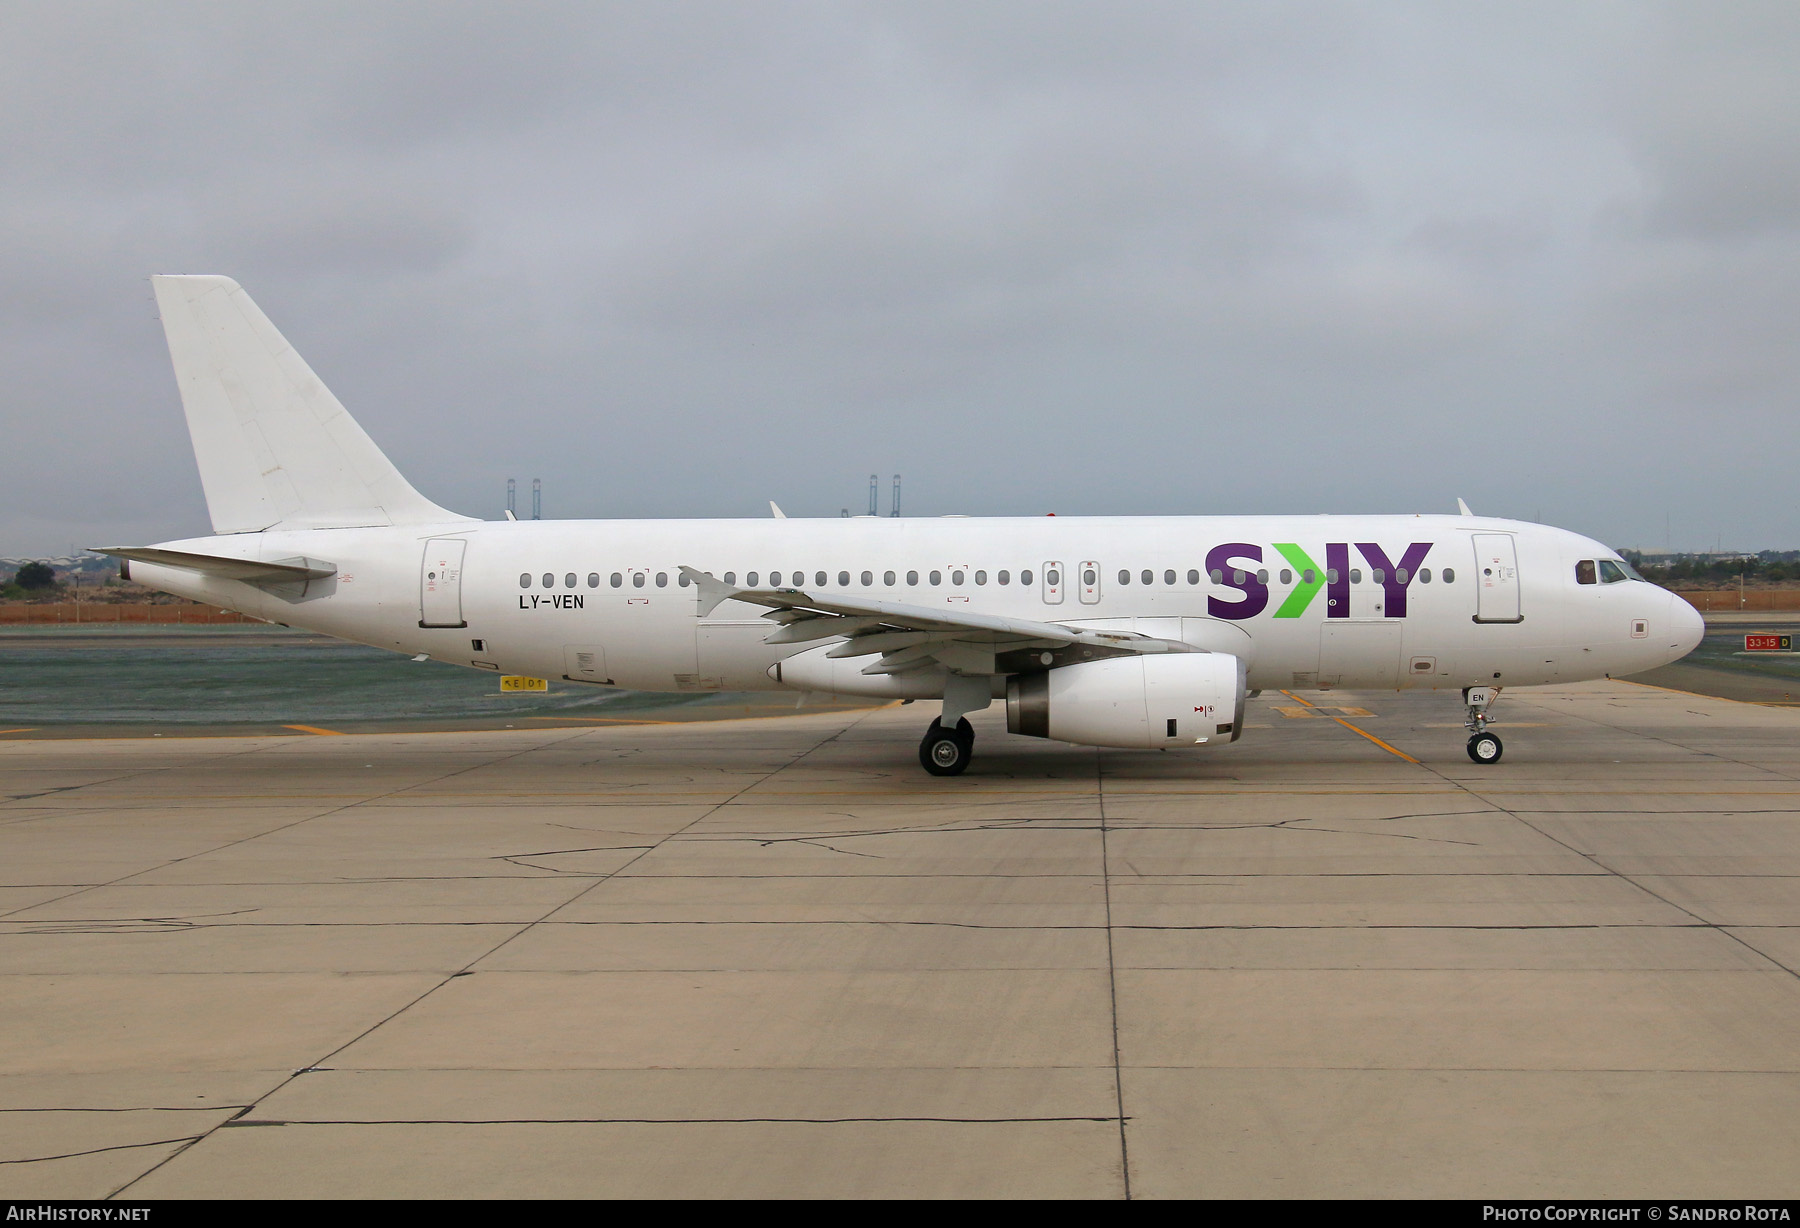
x,y
251,571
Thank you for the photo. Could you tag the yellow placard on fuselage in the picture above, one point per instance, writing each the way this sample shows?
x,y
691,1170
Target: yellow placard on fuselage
x,y
518,682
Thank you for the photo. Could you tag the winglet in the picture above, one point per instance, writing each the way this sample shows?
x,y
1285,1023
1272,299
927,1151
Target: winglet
x,y
708,592
779,514
1463,508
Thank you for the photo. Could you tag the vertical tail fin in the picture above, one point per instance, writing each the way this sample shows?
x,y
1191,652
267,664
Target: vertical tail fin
x,y
275,448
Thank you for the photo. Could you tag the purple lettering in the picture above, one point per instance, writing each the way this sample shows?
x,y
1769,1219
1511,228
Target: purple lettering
x,y
1256,593
1393,586
1337,579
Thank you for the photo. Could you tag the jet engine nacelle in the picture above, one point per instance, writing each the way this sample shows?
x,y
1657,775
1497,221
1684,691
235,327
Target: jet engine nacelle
x,y
1182,699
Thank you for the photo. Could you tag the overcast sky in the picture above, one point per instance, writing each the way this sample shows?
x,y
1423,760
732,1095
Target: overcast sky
x,y
680,259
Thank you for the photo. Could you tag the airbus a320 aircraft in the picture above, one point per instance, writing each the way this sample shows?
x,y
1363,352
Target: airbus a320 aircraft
x,y
1145,632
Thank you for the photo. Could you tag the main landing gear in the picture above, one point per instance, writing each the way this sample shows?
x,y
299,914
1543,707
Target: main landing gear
x,y
949,742
1484,747
946,752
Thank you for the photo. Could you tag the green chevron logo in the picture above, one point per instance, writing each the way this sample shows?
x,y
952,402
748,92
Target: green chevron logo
x,y
1304,590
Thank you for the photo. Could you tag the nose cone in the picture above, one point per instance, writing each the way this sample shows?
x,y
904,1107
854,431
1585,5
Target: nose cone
x,y
1687,628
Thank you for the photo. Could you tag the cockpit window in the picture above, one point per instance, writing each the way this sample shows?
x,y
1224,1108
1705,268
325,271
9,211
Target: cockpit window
x,y
1584,572
1611,572
1631,573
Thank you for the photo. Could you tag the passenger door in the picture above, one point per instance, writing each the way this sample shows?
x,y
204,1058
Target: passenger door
x,y
440,583
1496,579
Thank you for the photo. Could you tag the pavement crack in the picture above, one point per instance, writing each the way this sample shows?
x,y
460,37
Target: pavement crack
x,y
94,1151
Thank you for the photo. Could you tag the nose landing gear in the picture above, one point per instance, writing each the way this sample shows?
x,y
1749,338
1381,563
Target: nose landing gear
x,y
946,752
1484,747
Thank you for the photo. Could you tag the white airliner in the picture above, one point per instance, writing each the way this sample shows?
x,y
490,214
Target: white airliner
x,y
1117,631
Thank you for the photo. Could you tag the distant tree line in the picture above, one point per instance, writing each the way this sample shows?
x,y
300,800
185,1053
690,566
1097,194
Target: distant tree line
x,y
31,580
1766,567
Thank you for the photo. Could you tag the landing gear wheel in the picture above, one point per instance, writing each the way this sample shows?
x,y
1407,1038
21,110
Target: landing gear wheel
x,y
1485,748
946,752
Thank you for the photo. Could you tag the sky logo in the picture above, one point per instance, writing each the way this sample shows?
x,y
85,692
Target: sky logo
x,y
1227,564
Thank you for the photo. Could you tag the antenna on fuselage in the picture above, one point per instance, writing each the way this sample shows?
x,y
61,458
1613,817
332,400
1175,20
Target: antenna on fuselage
x,y
537,498
512,498
895,509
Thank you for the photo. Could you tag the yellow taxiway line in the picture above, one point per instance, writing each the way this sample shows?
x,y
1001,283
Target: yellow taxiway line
x,y
1352,728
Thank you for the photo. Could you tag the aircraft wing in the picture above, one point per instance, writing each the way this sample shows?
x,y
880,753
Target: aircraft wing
x,y
911,637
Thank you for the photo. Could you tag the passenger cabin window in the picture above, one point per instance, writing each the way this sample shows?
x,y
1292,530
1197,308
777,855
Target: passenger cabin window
x,y
956,578
868,578
843,579
1424,575
1193,576
981,577
637,579
750,578
936,578
1148,577
1090,577
1287,577
1217,576
1168,577
1004,577
549,580
912,579
1611,572
525,580
1449,576
593,579
1052,577
1356,575
819,578
1124,577
1025,578
681,579
1584,572
887,578
569,580
617,579
662,579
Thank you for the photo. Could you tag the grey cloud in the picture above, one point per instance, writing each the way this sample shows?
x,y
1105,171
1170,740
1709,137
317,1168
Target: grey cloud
x,y
1143,257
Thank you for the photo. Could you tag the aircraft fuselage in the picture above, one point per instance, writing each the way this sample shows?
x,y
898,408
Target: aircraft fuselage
x,y
1309,602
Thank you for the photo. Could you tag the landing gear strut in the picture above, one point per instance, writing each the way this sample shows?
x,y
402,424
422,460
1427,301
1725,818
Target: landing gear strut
x,y
1484,747
945,752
